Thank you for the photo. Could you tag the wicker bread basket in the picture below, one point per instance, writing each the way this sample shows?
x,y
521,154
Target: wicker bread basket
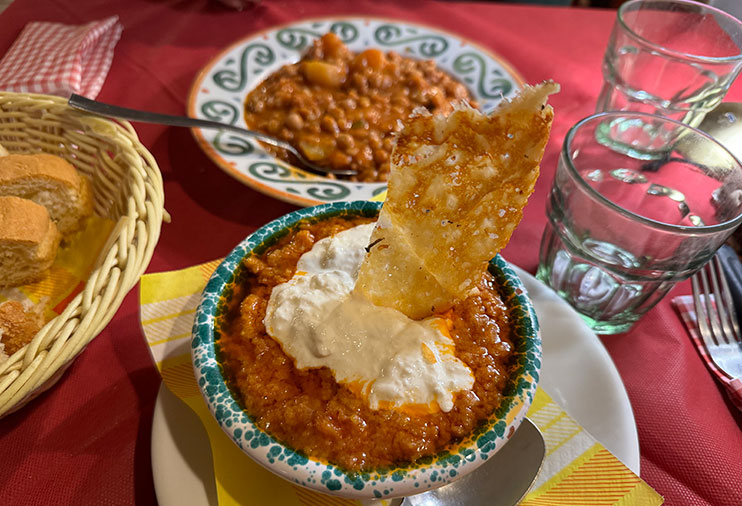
x,y
127,188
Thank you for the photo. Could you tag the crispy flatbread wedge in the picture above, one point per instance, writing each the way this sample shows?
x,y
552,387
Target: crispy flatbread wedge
x,y
457,190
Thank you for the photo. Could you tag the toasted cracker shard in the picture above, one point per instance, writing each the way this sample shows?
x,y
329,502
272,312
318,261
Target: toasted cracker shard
x,y
457,190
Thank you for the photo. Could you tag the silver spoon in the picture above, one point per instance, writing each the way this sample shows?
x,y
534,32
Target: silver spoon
x,y
503,481
103,109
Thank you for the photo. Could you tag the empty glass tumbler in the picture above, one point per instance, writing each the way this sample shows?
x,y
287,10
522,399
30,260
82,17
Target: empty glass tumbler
x,y
672,58
623,230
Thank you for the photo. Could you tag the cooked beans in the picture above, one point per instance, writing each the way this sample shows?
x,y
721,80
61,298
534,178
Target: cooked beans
x,y
294,121
333,94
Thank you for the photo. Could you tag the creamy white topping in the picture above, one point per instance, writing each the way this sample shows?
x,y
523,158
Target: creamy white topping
x,y
391,360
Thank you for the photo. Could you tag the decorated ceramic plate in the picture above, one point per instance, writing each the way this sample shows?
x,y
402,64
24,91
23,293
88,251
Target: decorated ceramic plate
x,y
220,89
182,463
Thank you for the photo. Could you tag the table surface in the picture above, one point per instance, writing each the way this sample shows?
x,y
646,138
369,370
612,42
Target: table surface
x,y
87,440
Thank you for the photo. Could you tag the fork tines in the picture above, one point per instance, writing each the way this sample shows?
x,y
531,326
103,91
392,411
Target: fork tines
x,y
717,319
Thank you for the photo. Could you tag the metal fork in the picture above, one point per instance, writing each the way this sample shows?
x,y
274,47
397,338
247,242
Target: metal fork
x,y
103,109
716,317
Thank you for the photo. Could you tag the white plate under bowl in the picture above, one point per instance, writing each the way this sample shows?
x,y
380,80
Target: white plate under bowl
x,y
577,373
220,89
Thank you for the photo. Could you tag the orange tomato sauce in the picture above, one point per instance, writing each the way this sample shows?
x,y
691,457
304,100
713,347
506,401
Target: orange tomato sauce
x,y
312,413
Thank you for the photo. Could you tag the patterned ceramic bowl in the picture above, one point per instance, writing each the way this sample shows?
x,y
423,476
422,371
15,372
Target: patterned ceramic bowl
x,y
427,473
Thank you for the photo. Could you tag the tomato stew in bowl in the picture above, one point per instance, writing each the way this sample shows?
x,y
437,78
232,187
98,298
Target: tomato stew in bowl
x,y
312,402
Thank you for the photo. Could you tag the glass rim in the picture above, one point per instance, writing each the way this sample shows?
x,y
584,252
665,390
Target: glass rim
x,y
680,54
730,224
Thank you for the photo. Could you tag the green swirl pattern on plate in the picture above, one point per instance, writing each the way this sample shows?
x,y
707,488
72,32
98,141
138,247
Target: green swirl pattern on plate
x,y
488,86
226,143
219,110
321,189
413,40
254,55
299,38
424,474
220,92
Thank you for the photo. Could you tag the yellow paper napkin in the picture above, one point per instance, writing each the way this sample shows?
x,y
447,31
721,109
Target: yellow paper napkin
x,y
73,264
577,469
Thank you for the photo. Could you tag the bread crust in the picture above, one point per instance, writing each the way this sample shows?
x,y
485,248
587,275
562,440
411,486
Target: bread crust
x,y
29,240
17,326
14,167
36,176
22,220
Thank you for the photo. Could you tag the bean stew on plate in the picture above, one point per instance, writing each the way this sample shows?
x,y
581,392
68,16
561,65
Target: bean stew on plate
x,y
341,109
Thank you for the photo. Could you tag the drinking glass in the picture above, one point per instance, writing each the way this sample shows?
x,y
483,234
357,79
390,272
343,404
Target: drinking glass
x,y
672,58
622,231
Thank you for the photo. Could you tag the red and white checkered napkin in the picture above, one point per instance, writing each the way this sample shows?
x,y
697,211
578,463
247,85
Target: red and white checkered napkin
x,y
59,59
684,306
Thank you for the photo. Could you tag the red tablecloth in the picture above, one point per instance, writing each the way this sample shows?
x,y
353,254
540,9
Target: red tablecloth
x,y
87,441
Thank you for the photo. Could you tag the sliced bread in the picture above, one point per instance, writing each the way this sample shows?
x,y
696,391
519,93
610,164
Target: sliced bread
x,y
28,241
52,182
18,325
